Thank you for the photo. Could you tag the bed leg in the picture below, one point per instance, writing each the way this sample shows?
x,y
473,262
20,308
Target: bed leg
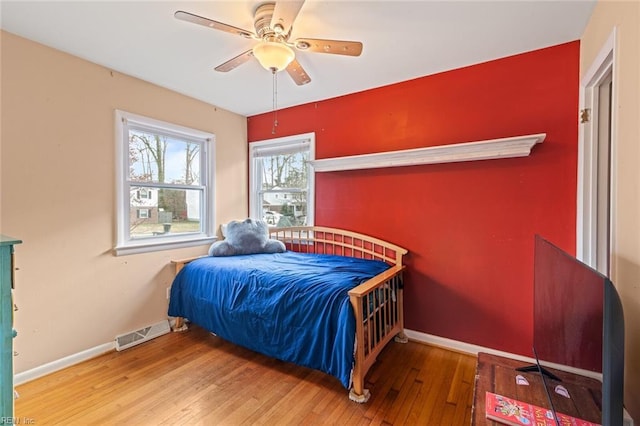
x,y
180,325
401,337
361,397
358,393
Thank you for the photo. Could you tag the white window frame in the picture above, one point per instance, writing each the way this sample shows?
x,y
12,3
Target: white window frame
x,y
125,245
275,146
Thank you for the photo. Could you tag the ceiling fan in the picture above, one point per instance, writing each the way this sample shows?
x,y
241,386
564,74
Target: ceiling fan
x,y
273,22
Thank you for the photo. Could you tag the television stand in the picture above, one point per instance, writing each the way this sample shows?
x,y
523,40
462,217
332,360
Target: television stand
x,y
498,375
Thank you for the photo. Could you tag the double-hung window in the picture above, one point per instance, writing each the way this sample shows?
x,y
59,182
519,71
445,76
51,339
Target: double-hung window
x,y
282,180
164,185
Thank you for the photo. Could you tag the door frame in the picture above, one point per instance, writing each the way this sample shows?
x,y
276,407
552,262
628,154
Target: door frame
x,y
587,197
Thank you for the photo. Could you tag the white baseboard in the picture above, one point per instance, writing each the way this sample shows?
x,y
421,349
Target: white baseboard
x,y
457,346
471,349
68,361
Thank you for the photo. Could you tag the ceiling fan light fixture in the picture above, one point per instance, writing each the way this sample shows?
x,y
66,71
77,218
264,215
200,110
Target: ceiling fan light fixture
x,y
273,55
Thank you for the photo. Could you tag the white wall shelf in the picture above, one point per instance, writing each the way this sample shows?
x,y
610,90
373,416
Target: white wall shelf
x,y
519,146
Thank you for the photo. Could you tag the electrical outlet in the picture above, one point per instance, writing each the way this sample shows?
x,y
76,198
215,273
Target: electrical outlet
x,y
168,292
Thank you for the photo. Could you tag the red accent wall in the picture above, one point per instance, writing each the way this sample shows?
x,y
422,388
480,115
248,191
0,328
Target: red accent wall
x,y
469,227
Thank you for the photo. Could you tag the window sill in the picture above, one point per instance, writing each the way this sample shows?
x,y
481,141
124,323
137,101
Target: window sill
x,y
151,246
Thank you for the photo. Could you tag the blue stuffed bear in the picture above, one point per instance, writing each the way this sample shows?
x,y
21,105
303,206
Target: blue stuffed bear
x,y
246,237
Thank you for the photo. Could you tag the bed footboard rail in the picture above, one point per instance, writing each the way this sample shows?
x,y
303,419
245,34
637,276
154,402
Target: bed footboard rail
x,y
378,308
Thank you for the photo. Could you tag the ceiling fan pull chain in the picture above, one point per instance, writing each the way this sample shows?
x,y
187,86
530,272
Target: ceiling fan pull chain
x,y
275,101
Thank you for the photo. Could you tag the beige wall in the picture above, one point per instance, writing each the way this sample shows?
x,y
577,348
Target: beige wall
x,y
57,171
625,17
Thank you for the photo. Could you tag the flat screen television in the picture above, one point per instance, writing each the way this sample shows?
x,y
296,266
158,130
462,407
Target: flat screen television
x,y
578,322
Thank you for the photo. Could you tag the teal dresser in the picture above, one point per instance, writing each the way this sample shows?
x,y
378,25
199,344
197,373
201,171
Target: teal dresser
x,y
6,326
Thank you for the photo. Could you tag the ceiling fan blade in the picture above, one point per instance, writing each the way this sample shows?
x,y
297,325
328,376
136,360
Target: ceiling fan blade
x,y
338,47
285,14
200,20
297,73
235,62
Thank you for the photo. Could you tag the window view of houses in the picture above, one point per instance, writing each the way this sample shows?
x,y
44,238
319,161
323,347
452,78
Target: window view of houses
x,y
165,191
284,189
156,211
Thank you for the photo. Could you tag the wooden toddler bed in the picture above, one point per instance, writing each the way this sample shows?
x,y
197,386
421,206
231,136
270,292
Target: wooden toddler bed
x,y
376,303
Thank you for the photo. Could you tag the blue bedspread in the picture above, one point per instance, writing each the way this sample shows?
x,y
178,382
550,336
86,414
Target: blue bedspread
x,y
290,306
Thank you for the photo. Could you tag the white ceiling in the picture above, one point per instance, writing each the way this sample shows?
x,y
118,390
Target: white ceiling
x,y
402,40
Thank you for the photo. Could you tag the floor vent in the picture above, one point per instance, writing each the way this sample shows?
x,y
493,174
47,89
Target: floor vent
x,y
133,338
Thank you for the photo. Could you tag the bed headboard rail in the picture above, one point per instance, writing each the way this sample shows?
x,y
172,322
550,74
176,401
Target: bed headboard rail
x,y
319,239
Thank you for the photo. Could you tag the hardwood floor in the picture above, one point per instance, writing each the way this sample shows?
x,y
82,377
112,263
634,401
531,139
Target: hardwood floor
x,y
195,378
